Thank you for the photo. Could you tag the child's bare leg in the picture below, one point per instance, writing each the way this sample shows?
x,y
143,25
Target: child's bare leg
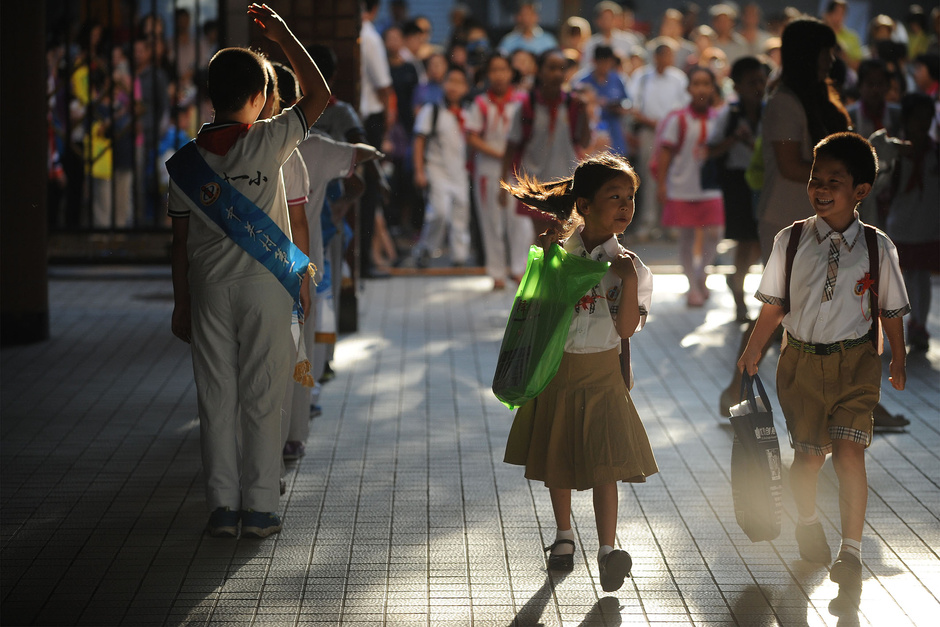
x,y
804,474
605,513
848,460
745,254
561,506
810,535
564,536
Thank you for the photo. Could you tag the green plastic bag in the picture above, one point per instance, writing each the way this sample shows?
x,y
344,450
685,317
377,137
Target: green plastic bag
x,y
535,335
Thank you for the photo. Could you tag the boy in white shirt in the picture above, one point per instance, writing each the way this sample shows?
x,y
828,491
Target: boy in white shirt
x,y
440,160
833,299
234,281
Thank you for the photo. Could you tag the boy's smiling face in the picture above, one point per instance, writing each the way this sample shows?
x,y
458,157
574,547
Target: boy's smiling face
x,y
833,193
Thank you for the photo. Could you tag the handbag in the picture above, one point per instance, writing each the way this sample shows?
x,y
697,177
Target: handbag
x,y
756,478
534,339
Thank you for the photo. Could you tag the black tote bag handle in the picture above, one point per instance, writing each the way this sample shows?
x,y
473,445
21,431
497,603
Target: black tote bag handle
x,y
747,392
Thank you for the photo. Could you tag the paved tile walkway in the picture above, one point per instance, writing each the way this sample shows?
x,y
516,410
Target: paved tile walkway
x,y
402,512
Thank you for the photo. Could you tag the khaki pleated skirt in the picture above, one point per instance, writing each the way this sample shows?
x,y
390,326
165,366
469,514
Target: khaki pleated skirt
x,y
583,430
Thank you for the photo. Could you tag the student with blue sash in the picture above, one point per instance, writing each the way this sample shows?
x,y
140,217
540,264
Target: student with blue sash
x,y
237,276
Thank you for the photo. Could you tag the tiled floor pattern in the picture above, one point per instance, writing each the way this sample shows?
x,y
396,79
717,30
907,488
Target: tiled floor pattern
x,y
402,512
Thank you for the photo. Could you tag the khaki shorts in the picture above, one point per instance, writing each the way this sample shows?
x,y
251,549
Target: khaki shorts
x,y
828,397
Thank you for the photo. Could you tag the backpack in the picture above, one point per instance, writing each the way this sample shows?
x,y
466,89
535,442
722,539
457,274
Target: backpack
x,y
572,108
871,240
658,142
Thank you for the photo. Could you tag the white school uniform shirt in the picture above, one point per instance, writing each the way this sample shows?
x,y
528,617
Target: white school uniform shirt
x,y
296,179
493,128
684,179
250,158
326,160
373,66
446,156
592,327
655,94
549,152
847,315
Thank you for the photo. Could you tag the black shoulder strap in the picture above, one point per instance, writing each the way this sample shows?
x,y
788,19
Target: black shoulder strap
x,y
874,272
792,245
435,111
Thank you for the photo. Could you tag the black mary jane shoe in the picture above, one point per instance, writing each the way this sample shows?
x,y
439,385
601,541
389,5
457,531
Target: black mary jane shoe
x,y
563,563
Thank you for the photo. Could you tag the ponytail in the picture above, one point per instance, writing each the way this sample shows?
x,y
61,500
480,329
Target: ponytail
x,y
556,199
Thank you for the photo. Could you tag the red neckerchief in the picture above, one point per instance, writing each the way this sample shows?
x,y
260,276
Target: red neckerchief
x,y
219,139
876,117
552,107
458,113
702,117
332,101
501,102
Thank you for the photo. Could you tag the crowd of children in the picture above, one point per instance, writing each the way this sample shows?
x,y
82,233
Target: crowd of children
x,y
257,203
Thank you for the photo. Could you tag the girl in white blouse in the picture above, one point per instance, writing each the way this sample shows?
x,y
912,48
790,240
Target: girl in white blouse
x,y
583,432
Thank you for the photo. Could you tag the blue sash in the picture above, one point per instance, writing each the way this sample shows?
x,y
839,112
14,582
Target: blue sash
x,y
239,218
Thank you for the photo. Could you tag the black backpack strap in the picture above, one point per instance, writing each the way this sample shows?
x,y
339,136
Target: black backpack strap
x,y
874,272
435,111
795,231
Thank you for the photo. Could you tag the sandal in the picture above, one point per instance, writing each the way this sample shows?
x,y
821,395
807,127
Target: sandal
x,y
561,562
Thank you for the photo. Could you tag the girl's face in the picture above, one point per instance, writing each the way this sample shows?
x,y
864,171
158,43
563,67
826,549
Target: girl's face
x,y
523,63
826,57
702,90
552,73
437,67
611,210
499,75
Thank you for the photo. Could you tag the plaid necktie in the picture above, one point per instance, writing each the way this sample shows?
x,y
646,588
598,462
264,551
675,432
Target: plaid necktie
x,y
835,241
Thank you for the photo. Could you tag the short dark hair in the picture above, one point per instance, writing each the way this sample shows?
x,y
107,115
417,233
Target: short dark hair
x,y
931,62
287,88
453,67
854,152
744,65
370,4
410,28
325,58
871,66
603,52
235,75
915,102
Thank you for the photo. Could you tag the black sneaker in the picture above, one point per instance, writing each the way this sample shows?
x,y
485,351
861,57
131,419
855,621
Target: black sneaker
x,y
223,523
259,524
615,567
812,542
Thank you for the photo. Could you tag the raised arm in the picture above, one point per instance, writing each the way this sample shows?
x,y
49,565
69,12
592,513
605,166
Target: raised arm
x,y
316,93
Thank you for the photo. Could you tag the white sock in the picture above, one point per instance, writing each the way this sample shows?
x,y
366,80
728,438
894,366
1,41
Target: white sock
x,y
853,547
565,548
808,520
603,551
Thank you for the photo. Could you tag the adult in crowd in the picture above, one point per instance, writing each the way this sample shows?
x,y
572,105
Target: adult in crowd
x,y
732,43
527,35
849,43
377,116
606,15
